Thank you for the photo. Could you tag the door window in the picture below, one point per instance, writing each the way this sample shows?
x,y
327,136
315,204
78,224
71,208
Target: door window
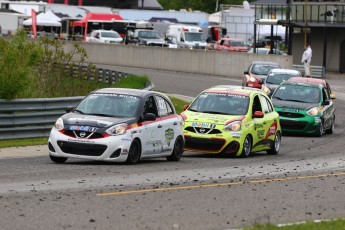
x,y
150,106
266,104
164,107
256,104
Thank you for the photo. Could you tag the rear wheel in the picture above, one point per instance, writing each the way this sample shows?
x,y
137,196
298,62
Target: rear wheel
x,y
177,151
134,153
275,146
247,147
58,160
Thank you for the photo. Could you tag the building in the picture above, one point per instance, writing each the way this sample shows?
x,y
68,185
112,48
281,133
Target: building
x,y
319,23
119,4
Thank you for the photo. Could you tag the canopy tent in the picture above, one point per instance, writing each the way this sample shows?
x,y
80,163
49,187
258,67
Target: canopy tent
x,y
45,19
97,17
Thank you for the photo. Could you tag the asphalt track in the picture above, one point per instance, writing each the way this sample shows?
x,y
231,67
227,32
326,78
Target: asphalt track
x,y
305,181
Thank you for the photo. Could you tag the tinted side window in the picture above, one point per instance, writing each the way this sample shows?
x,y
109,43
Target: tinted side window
x,y
325,94
150,106
256,104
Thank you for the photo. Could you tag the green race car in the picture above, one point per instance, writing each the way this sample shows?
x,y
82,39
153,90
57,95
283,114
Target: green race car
x,y
233,121
304,108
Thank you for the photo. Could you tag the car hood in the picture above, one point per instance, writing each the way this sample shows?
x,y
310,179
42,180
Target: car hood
x,y
156,41
293,105
219,119
93,121
261,77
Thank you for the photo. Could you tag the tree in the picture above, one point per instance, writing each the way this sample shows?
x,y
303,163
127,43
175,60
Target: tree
x,y
17,58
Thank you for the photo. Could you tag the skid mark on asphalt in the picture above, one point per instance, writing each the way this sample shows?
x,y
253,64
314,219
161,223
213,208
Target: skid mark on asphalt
x,y
221,184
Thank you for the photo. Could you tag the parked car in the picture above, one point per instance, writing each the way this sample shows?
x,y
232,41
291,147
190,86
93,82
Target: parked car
x,y
276,76
104,36
230,120
304,108
231,45
315,80
267,51
257,73
118,125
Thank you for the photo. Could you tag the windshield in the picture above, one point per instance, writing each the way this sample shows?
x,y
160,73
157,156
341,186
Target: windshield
x,y
299,93
194,37
277,78
148,34
238,43
110,35
220,103
262,69
112,105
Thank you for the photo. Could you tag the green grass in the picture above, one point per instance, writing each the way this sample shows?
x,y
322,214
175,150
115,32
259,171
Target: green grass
x,y
338,224
23,142
178,103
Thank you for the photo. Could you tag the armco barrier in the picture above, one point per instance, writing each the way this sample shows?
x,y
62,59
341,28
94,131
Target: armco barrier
x,y
27,118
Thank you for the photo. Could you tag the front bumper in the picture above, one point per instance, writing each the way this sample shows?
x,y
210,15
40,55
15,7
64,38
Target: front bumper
x,y
305,125
111,148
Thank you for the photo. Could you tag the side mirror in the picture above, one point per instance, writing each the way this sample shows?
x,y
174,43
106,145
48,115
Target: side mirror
x,y
326,102
333,96
258,114
69,109
185,107
149,117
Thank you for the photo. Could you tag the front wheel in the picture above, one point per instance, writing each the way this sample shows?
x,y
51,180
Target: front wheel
x,y
320,130
247,147
58,160
134,153
177,151
275,146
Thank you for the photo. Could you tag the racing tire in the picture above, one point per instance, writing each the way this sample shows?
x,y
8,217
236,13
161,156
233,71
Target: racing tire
x,y
134,153
247,147
275,146
321,130
58,160
177,151
331,129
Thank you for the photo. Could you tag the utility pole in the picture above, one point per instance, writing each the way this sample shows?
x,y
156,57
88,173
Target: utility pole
x,y
305,20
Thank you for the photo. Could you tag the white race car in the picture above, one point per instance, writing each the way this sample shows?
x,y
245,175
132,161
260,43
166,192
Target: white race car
x,y
118,125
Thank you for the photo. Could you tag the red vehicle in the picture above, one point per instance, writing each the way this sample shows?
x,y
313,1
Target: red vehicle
x,y
257,73
231,45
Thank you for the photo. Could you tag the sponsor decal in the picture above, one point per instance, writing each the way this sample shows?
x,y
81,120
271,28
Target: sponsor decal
x,y
236,134
83,128
261,134
126,139
169,134
125,150
201,124
272,129
81,141
78,119
258,126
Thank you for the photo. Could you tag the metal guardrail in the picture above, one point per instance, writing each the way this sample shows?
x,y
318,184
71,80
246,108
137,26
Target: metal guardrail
x,y
27,118
30,118
316,71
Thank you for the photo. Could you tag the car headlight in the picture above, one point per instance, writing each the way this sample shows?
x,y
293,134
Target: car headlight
x,y
117,129
253,79
265,89
181,120
233,126
314,111
59,124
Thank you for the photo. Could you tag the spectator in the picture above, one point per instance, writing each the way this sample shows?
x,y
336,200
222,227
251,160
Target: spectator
x,y
306,59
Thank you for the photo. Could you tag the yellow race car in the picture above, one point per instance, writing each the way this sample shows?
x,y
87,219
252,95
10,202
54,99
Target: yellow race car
x,y
231,120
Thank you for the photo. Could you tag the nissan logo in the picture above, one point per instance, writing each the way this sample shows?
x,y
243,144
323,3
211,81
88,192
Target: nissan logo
x,y
82,134
202,130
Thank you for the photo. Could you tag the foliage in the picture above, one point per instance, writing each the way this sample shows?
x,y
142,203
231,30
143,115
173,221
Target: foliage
x,y
54,66
179,104
16,61
208,6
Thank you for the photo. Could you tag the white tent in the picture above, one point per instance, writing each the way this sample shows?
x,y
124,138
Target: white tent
x,y
45,19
